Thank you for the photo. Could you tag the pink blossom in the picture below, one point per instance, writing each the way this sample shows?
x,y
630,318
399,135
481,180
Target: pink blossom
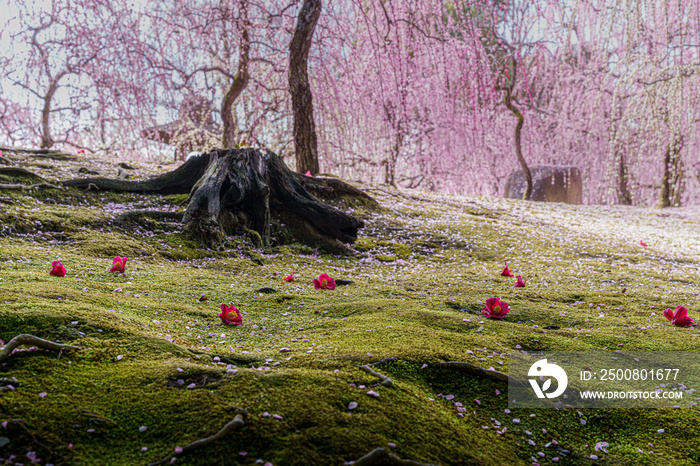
x,y
495,308
118,265
230,315
308,173
324,282
506,271
57,269
519,282
679,317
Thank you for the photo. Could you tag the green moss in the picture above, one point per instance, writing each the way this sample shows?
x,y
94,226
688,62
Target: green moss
x,y
145,331
365,244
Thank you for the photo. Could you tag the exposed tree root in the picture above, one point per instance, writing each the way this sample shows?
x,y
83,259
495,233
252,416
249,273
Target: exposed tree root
x,y
135,215
178,181
237,422
386,381
31,340
23,186
49,154
459,365
381,457
331,189
21,424
20,172
243,191
479,371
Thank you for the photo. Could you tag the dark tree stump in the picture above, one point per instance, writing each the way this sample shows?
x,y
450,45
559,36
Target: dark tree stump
x,y
245,191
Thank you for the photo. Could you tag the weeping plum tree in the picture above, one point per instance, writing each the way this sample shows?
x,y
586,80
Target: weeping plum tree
x,y
47,54
407,92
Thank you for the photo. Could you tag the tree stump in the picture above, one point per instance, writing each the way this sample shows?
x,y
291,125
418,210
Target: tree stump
x,y
245,191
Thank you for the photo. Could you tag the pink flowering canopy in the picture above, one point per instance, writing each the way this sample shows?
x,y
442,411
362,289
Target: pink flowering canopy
x,y
600,92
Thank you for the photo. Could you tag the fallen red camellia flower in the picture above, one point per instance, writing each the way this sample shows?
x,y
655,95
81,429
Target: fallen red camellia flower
x,y
495,308
642,243
230,315
506,271
324,282
118,265
57,269
679,317
308,173
519,282
289,278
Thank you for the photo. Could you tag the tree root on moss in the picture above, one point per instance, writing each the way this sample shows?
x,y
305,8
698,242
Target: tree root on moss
x,y
478,371
381,457
23,187
136,215
22,425
52,154
459,365
237,422
31,340
386,381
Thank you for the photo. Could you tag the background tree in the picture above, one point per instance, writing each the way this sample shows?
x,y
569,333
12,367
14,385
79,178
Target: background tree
x,y
305,143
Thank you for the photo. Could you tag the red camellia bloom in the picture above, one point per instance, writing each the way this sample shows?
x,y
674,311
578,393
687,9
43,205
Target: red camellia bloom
x,y
57,269
642,243
324,282
495,308
506,271
230,315
679,317
519,282
118,265
289,278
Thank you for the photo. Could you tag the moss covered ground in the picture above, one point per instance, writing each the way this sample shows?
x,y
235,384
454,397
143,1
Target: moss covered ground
x,y
159,370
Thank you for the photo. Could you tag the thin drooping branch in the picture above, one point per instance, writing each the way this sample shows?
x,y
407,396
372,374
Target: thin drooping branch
x,y
381,457
31,340
237,422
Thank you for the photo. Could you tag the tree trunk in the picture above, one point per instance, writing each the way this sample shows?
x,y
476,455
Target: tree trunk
x,y
624,197
527,194
664,200
305,143
46,139
240,81
244,191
